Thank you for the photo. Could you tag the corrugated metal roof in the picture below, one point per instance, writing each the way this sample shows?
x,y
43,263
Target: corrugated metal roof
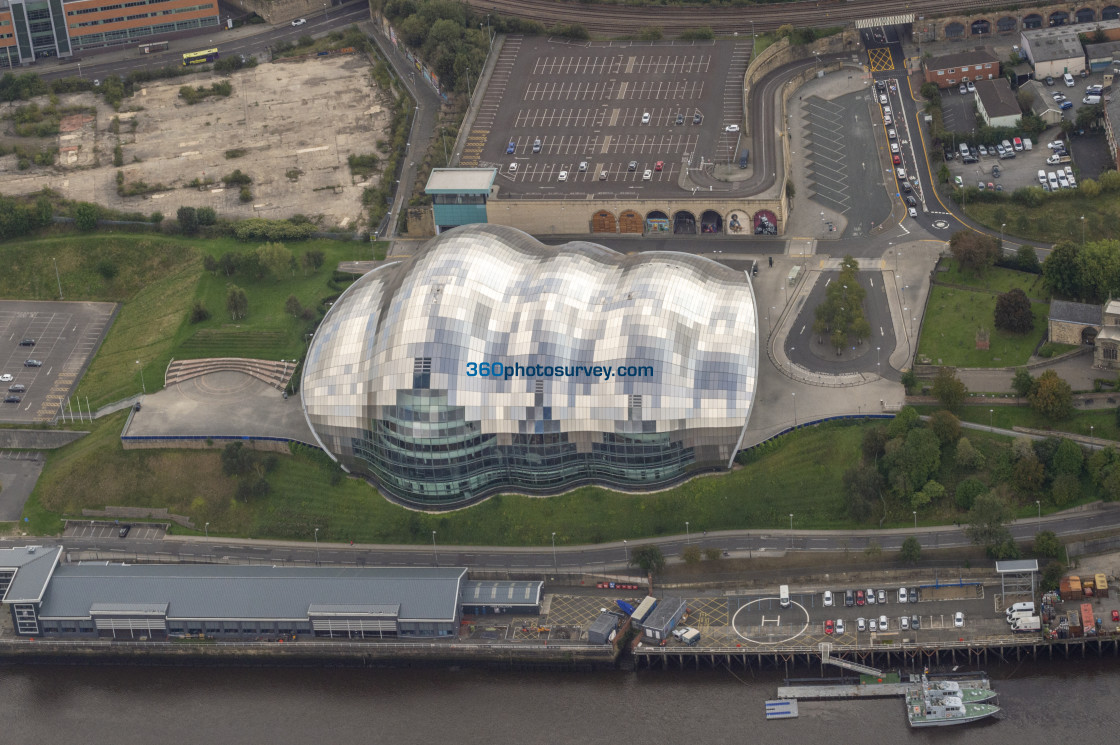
x,y
1064,310
862,23
385,609
33,567
959,59
194,591
663,613
1019,565
480,592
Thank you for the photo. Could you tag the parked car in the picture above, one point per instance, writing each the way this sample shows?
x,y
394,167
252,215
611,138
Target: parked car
x,y
731,128
849,598
27,343
904,623
861,624
881,596
912,211
971,87
563,176
1049,80
902,594
873,625
958,620
963,89
513,168
645,118
839,626
915,622
5,377
883,625
659,165
891,134
983,149
647,175
828,598
696,118
582,166
828,627
1065,105
870,597
602,175
633,165
897,160
910,202
1017,143
883,100
894,147
299,21
680,119
511,147
124,530
32,363
861,599
17,388
11,399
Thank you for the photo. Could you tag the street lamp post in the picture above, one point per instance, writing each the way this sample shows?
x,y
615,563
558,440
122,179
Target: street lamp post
x,y
686,532
435,552
553,532
794,417
143,387
906,312
625,552
316,547
791,522
1083,231
878,364
1090,433
1038,504
57,278
915,519
206,527
991,413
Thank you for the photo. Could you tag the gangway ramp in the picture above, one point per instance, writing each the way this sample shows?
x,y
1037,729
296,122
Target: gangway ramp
x,y
828,659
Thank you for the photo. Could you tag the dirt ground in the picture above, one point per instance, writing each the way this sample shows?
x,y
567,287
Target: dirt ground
x,y
296,121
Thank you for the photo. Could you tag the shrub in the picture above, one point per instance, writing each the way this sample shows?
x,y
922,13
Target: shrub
x,y
199,313
237,178
967,492
246,194
1013,312
206,215
107,269
118,156
86,216
235,153
187,218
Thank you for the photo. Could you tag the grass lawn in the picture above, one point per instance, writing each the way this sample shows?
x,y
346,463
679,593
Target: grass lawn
x,y
800,474
1006,417
1057,219
157,279
952,318
996,280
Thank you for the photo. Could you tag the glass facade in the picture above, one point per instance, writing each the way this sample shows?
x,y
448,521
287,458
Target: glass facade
x,y
388,385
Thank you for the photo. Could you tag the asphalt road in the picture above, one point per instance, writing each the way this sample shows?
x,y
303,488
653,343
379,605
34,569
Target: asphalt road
x,y
612,556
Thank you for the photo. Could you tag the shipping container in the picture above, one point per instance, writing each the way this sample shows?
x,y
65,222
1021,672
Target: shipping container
x,y
1074,588
1102,586
1087,616
644,609
1088,588
1064,588
1073,619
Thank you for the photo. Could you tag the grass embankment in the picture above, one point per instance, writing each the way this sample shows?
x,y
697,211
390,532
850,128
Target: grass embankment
x,y
1103,423
800,474
955,313
157,279
1056,219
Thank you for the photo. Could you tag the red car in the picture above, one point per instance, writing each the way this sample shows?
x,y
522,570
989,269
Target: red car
x,y
1116,615
828,627
861,599
659,165
896,160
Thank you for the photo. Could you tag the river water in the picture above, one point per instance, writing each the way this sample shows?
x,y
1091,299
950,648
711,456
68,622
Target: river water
x,y
1041,703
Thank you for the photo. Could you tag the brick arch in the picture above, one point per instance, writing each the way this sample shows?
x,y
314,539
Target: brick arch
x,y
1058,18
684,223
1007,24
954,30
1110,13
1032,20
711,222
1085,15
630,221
604,221
765,222
981,26
739,222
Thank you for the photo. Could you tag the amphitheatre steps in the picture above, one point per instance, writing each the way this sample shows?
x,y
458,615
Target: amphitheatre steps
x,y
274,373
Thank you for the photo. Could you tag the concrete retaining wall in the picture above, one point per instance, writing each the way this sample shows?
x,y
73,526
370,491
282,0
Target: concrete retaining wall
x,y
36,439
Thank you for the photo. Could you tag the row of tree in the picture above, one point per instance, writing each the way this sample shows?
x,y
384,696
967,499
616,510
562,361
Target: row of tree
x,y
841,317
1089,272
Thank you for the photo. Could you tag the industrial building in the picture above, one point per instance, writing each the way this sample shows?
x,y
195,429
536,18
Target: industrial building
x,y
37,29
997,104
489,361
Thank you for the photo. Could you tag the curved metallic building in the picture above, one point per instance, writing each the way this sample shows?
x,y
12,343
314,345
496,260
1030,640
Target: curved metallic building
x,y
627,371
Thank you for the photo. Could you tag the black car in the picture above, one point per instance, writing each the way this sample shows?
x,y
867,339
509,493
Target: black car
x,y
680,118
849,598
696,118
17,388
911,202
124,530
915,622
880,86
11,399
27,343
32,363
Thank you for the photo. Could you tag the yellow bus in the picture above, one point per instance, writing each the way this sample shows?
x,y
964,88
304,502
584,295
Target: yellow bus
x,y
198,58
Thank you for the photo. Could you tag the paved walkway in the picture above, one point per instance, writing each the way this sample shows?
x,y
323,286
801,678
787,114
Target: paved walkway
x,y
1077,371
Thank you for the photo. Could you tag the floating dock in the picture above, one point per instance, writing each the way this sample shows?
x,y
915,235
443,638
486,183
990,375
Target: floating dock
x,y
859,690
781,709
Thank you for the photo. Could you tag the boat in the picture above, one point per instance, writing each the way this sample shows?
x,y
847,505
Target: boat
x,y
939,705
967,694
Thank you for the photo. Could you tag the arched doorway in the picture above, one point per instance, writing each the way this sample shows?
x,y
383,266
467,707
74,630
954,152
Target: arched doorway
x,y
981,27
1006,25
765,223
684,223
736,220
604,222
711,222
630,222
1059,18
954,30
1089,335
1110,13
657,222
1085,15
1034,20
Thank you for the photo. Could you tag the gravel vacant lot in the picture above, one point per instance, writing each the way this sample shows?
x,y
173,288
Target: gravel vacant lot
x,y
296,123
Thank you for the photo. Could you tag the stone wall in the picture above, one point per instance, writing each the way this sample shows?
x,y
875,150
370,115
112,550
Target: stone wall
x,y
1064,332
37,439
281,11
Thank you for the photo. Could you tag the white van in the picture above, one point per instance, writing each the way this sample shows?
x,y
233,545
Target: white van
x,y
1069,80
1042,177
1013,617
1017,607
1090,100
783,596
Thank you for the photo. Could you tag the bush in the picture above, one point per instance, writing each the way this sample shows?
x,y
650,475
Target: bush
x,y
257,228
199,313
118,156
206,215
246,194
187,218
235,153
1013,312
156,218
86,216
107,269
967,492
237,178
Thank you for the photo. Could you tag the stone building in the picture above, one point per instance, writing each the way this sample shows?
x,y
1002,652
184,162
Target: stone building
x,y
1083,323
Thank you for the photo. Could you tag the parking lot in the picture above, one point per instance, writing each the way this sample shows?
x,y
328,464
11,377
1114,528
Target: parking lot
x,y
63,337
101,529
559,117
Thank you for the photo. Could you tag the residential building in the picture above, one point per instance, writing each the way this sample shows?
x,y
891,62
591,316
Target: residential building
x,y
1042,103
37,29
961,67
997,103
491,362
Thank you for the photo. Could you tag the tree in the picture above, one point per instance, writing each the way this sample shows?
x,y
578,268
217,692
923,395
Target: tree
x,y
1022,382
932,492
237,460
967,492
1005,550
946,426
968,457
863,488
840,316
188,220
1068,458
874,443
974,251
1029,475
86,216
276,258
312,260
911,551
649,559
1109,181
293,307
1051,396
206,215
1052,575
1061,270
904,421
228,264
1027,260
199,313
237,303
915,462
1065,490
1013,311
1090,188
712,554
987,520
948,388
691,554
